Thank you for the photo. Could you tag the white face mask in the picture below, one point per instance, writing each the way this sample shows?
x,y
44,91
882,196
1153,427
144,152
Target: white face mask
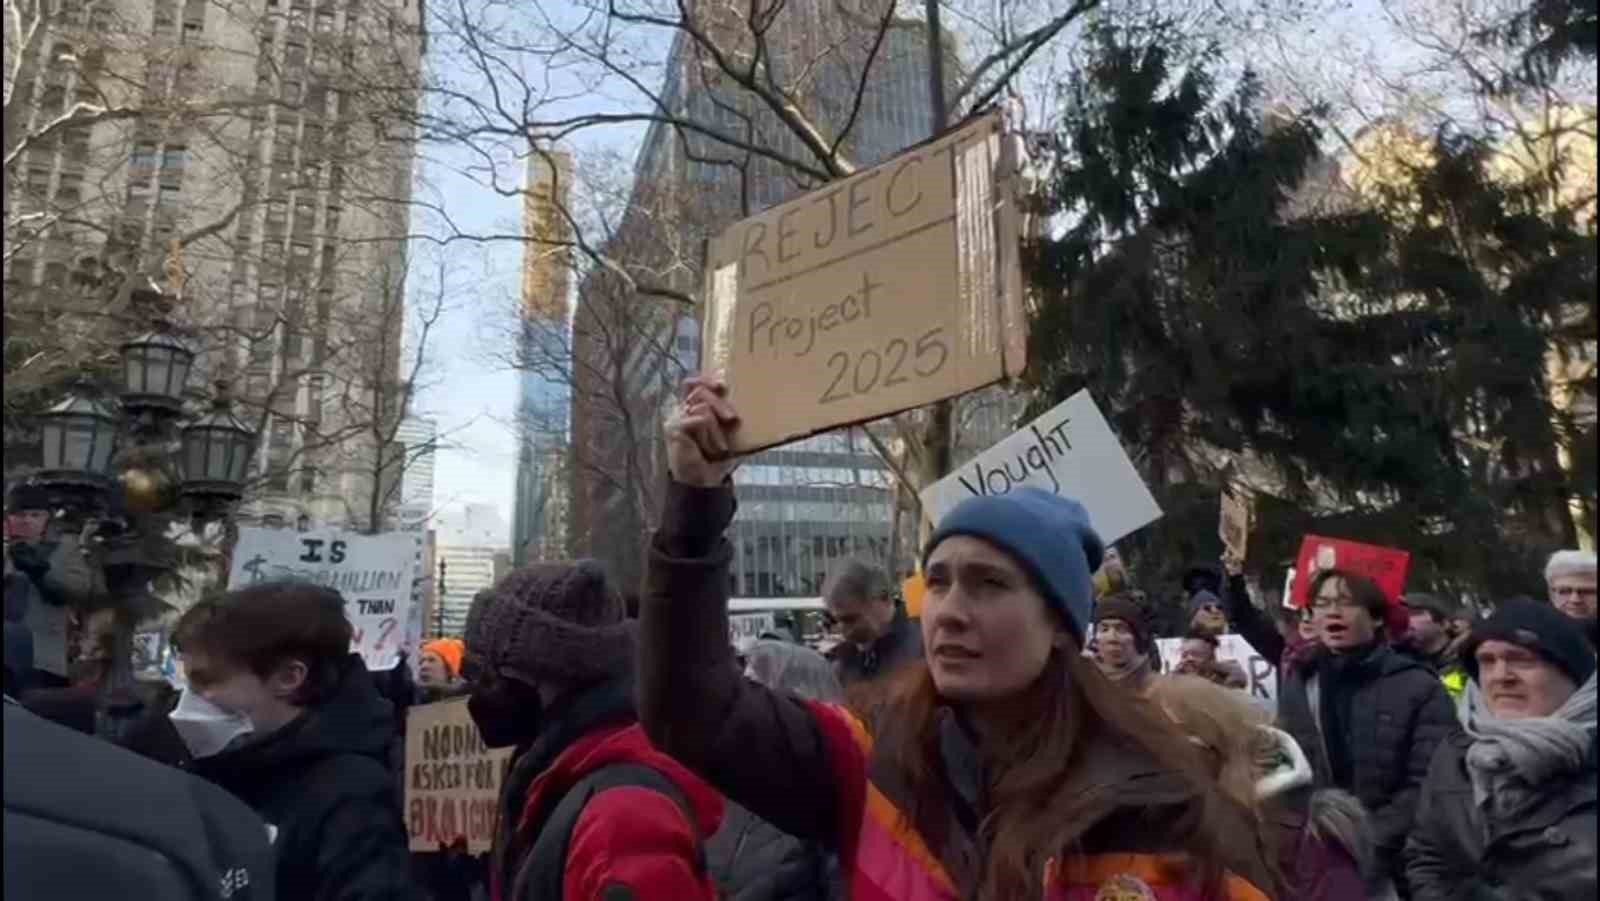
x,y
206,728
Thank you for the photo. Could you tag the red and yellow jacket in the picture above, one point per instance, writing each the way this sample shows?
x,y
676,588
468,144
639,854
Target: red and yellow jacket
x,y
813,769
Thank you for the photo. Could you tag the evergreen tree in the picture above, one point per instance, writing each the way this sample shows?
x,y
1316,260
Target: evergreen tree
x,y
1385,361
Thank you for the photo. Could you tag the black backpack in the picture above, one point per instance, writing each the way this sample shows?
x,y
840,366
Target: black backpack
x,y
542,873
85,819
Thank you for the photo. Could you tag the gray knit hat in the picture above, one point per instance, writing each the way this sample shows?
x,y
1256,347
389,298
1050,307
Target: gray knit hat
x,y
557,622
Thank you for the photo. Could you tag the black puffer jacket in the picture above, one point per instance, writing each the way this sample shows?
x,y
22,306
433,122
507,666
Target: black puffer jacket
x,y
324,782
1547,853
752,860
1385,715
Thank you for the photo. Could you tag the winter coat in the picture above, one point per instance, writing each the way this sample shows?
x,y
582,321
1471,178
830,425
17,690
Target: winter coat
x,y
631,837
1324,849
1392,713
1447,666
753,860
1254,625
816,772
324,783
899,645
1547,854
86,819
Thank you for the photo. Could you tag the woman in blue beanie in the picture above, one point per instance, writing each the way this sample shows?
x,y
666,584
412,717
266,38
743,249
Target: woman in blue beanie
x,y
1002,766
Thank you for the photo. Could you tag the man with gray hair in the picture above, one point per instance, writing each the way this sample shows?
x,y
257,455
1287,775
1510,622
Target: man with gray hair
x,y
1570,577
878,636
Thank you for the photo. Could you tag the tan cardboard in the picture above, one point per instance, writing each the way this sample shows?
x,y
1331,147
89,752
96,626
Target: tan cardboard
x,y
1234,523
453,780
888,290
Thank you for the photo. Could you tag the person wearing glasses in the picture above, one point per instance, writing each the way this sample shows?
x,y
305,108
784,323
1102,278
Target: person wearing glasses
x,y
1570,577
1368,717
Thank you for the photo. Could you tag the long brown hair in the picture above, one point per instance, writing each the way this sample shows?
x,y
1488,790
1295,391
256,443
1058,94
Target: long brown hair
x,y
1042,801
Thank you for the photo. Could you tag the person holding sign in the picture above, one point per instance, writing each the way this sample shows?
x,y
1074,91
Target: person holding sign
x,y
280,713
1368,717
1001,765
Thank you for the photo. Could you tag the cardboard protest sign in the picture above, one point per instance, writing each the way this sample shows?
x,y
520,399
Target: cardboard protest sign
x,y
1385,565
452,778
744,629
1234,525
375,573
888,290
1263,673
1070,451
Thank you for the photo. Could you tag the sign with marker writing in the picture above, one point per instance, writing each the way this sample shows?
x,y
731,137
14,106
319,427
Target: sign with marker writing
x,y
1263,673
1069,451
375,573
1384,565
888,290
452,779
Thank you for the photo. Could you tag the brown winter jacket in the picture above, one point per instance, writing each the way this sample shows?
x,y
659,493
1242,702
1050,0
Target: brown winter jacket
x,y
1547,853
816,772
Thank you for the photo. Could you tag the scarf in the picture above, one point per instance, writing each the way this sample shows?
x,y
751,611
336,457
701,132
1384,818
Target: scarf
x,y
1133,676
1512,761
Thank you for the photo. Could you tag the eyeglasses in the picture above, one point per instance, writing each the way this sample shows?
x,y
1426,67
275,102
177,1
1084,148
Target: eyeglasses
x,y
1346,602
1572,591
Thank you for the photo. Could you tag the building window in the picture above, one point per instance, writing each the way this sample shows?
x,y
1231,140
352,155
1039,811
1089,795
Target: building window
x,y
144,157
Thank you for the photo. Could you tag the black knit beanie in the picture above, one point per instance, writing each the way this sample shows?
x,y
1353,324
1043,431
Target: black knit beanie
x,y
1541,629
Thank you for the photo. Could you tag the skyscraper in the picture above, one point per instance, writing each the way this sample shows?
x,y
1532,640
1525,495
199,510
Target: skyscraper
x,y
803,505
417,438
247,185
545,357
467,542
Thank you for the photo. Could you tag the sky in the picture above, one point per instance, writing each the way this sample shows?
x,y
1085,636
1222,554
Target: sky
x,y
472,393
467,385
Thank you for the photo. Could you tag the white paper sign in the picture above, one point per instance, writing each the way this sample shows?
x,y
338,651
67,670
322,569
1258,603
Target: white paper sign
x,y
1070,451
375,573
1263,673
745,628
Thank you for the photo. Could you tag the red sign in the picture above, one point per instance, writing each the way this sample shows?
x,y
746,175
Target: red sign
x,y
1383,565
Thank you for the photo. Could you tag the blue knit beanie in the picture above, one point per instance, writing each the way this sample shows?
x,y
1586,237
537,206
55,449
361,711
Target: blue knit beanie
x,y
1048,534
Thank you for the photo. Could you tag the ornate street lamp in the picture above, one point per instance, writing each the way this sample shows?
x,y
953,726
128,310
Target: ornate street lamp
x,y
79,435
155,369
216,456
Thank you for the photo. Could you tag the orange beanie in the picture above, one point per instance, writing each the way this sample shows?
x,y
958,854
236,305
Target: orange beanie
x,y
450,650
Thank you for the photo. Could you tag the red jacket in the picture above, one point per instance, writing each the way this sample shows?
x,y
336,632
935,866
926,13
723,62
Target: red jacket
x,y
627,836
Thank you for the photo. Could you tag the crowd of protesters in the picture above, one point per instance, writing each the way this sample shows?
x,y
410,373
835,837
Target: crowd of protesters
x,y
1020,739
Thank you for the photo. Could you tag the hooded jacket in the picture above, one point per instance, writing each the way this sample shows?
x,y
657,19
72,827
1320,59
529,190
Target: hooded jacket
x,y
631,840
324,783
816,772
1380,716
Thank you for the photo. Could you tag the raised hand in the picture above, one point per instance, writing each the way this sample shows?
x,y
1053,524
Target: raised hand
x,y
697,433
